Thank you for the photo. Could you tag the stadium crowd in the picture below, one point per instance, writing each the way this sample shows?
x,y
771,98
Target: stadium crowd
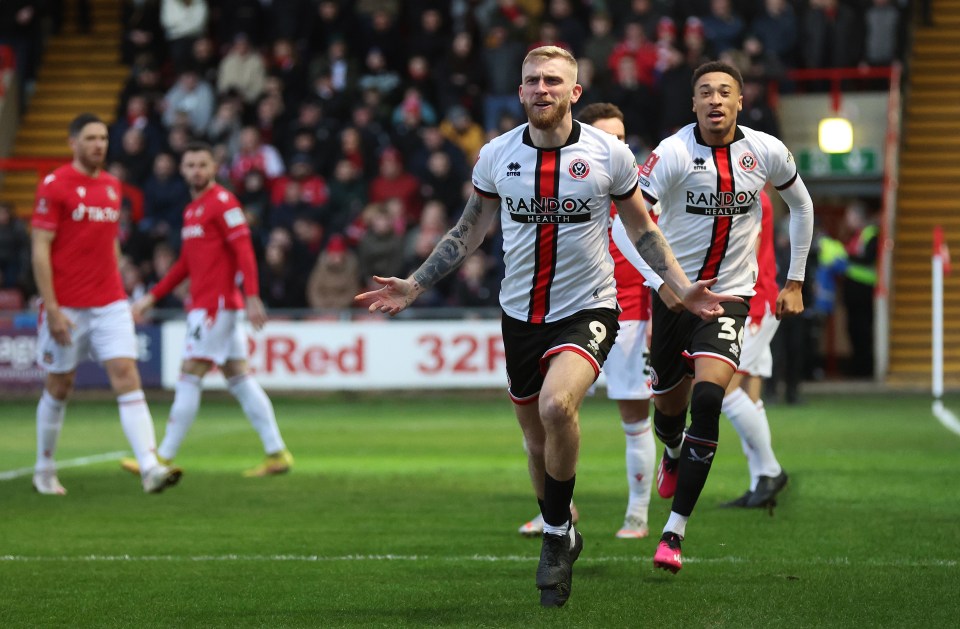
x,y
348,129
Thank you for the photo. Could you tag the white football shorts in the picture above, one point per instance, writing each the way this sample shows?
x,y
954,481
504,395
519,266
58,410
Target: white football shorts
x,y
626,369
217,339
102,333
755,357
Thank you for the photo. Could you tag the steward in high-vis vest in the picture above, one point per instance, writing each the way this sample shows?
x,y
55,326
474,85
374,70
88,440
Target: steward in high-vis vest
x,y
859,283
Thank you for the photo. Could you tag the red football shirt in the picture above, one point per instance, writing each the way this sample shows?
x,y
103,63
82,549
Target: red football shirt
x,y
632,295
767,289
216,254
83,212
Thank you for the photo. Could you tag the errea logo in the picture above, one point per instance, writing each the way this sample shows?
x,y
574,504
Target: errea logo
x,y
513,169
699,164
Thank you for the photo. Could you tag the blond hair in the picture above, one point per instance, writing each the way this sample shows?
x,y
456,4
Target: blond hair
x,y
552,52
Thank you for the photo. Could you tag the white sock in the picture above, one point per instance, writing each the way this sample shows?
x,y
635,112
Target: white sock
x,y
138,426
768,465
751,425
641,458
186,403
255,403
564,529
676,523
50,412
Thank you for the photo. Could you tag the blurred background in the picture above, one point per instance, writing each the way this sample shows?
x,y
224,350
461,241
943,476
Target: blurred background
x,y
348,130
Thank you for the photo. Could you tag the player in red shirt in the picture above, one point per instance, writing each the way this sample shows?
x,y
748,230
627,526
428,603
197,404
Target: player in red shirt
x,y
84,311
742,403
216,250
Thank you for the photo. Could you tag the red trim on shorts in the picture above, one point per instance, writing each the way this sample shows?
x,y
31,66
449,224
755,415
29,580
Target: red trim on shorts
x,y
546,185
525,400
719,357
570,347
721,224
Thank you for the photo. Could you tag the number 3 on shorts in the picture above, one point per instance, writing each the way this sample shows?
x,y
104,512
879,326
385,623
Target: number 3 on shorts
x,y
728,331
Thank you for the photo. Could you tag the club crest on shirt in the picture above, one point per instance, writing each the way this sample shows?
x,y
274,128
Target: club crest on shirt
x,y
81,191
579,168
112,193
747,161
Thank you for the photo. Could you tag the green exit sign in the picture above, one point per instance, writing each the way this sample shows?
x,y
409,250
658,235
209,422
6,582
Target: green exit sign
x,y
863,162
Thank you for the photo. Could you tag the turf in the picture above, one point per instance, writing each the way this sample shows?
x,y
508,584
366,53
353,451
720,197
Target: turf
x,y
402,512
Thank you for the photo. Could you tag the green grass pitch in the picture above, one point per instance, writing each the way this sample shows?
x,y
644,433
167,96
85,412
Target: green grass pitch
x,y
402,511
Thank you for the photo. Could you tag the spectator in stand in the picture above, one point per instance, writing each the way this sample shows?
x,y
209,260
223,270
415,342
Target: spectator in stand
x,y
599,46
441,183
642,11
776,28
142,33
458,76
380,250
144,80
724,29
244,16
374,135
476,286
419,242
337,69
432,140
310,120
352,149
224,128
255,155
393,182
191,100
458,127
135,156
183,21
285,63
242,69
638,48
409,118
336,277
756,112
549,35
428,37
569,26
255,199
830,36
281,284
132,278
268,118
694,42
500,51
420,78
312,188
378,31
333,20
758,63
163,258
308,241
178,138
137,114
674,85
14,248
634,99
204,59
21,28
881,42
165,194
288,208
131,195
377,75
348,197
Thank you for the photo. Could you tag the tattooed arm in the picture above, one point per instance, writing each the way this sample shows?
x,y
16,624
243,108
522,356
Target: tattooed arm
x,y
458,243
653,248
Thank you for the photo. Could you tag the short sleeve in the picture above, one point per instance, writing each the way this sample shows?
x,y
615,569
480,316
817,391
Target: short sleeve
x,y
483,181
783,168
654,174
49,205
623,171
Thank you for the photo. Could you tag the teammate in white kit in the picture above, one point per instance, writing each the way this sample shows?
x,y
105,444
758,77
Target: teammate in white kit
x,y
551,182
628,379
84,311
708,178
742,404
216,250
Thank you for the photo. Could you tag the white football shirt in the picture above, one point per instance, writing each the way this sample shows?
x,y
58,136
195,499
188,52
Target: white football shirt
x,y
554,214
710,200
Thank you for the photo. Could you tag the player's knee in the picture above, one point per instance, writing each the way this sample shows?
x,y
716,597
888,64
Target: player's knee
x,y
557,410
60,385
705,404
123,374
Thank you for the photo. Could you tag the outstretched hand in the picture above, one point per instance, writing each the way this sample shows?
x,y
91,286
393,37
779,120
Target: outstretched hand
x,y
704,303
395,295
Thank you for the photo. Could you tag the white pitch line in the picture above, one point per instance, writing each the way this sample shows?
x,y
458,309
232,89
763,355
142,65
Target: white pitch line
x,y
813,561
946,417
79,462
